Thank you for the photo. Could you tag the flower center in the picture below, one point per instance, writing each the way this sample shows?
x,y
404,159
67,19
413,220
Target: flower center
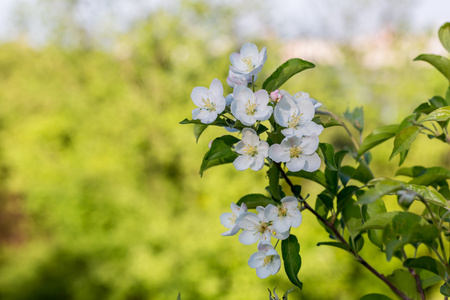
x,y
248,62
268,259
251,150
295,120
295,151
232,219
250,107
282,211
263,227
208,105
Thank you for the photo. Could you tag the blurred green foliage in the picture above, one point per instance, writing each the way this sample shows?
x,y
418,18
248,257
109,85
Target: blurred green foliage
x,y
100,192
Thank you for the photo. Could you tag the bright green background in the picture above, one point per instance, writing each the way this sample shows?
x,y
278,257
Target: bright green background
x,y
100,192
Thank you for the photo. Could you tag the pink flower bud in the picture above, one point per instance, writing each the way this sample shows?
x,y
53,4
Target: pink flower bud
x,y
276,96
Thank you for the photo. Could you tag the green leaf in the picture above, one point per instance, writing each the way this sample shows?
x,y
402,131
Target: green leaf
x,y
404,139
440,114
442,64
378,136
363,173
444,36
290,249
346,173
345,195
356,117
254,200
427,263
198,130
380,189
429,194
428,279
438,101
371,210
351,215
431,175
375,297
327,152
411,171
335,244
220,152
445,289
218,122
284,72
326,200
316,176
274,179
405,282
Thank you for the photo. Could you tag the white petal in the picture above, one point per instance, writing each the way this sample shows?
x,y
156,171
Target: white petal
x,y
201,114
228,220
264,247
307,109
296,218
248,221
289,202
250,137
263,272
229,99
221,103
256,260
216,88
281,224
249,50
210,117
258,163
278,154
264,113
271,212
197,95
310,128
243,162
281,235
295,164
238,65
248,237
309,144
262,97
312,162
239,146
263,148
232,231
275,266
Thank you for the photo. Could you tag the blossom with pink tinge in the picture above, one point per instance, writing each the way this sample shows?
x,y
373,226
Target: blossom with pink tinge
x,y
266,261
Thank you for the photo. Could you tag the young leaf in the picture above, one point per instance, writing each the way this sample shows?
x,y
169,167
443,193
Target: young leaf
x,y
254,200
404,139
405,282
220,152
335,244
327,152
316,176
442,64
375,297
411,171
444,36
274,179
431,175
380,189
427,263
351,215
198,130
284,72
356,117
377,136
429,194
440,114
290,249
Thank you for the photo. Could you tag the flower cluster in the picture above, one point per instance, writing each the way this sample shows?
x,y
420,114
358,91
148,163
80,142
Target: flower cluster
x,y
270,221
291,120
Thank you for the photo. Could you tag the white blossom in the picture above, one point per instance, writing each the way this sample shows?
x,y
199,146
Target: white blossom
x,y
266,261
248,61
235,79
284,216
229,219
296,116
253,151
256,227
305,96
249,107
210,102
297,153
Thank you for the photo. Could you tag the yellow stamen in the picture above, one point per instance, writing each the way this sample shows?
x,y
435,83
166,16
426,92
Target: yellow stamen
x,y
250,150
295,151
248,62
294,122
206,103
250,107
267,260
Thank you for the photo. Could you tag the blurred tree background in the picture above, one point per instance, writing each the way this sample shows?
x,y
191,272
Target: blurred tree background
x,y
100,196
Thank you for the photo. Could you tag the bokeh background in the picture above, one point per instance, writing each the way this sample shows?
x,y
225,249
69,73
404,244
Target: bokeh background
x,y
100,195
